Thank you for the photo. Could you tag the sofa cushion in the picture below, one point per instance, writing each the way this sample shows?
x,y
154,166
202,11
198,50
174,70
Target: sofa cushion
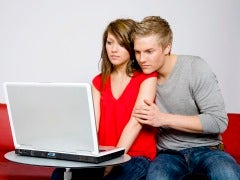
x,y
6,141
231,137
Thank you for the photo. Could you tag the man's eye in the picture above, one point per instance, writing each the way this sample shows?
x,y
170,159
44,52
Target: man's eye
x,y
149,52
137,52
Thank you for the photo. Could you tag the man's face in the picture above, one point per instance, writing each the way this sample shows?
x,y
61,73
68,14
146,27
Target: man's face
x,y
149,53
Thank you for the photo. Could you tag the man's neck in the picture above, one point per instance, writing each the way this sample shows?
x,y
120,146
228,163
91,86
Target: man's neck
x,y
166,70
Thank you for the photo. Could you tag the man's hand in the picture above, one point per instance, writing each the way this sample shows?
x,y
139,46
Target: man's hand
x,y
148,114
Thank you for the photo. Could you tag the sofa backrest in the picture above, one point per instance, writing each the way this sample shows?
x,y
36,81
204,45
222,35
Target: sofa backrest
x,y
6,141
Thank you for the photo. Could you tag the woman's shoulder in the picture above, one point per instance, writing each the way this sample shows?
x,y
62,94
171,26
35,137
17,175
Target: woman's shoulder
x,y
96,81
98,76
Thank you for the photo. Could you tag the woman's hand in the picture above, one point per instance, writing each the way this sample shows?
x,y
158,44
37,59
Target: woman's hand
x,y
107,170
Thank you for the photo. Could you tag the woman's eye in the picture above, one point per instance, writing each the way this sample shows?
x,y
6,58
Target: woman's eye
x,y
109,42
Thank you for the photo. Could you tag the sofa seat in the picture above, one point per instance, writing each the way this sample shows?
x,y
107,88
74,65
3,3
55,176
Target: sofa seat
x,y
15,171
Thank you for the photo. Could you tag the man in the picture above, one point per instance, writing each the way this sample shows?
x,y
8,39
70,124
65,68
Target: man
x,y
189,110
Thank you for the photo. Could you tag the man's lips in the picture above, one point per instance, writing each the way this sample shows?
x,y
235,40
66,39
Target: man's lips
x,y
144,66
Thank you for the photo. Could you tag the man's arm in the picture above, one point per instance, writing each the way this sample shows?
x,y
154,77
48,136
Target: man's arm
x,y
149,114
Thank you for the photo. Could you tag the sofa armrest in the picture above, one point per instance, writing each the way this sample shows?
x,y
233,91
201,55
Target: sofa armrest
x,y
231,137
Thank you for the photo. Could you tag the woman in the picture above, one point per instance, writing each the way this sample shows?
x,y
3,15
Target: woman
x,y
119,87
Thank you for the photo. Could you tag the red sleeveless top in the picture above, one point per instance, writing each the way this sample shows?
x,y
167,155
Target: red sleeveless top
x,y
115,114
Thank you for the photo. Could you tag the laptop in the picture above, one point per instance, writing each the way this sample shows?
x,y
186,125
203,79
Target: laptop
x,y
55,120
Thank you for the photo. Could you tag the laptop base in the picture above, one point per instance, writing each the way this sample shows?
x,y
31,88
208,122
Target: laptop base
x,y
70,157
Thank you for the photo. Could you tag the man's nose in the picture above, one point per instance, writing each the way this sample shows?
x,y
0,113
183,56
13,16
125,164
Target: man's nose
x,y
141,57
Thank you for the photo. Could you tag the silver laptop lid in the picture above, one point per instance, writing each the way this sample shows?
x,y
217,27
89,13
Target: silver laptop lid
x,y
55,117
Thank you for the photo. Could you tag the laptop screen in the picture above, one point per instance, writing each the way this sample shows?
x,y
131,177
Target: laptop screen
x,y
52,116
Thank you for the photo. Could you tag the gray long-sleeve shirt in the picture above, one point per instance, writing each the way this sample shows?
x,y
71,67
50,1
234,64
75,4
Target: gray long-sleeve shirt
x,y
192,89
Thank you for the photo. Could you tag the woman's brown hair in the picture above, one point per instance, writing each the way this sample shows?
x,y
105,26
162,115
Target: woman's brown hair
x,y
121,29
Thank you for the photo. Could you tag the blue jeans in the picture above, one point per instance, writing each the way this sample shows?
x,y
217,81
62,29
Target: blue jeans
x,y
134,169
210,163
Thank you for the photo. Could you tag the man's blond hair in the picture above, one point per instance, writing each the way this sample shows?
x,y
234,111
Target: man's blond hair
x,y
154,25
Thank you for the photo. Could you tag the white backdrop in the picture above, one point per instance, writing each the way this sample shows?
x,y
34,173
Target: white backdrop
x,y
60,40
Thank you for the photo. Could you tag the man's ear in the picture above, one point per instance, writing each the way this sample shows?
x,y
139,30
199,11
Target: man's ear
x,y
167,50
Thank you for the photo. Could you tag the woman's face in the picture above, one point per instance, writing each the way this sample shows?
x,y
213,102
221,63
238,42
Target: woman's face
x,y
117,54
